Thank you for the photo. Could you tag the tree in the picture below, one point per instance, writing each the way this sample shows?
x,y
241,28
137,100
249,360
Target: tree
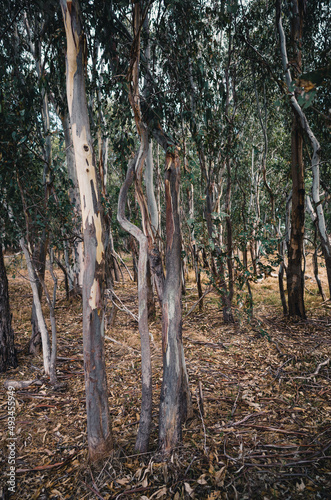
x,y
174,392
8,358
98,423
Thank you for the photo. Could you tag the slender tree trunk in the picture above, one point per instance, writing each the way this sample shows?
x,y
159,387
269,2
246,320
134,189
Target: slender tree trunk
x,y
39,255
39,313
314,219
283,246
146,367
227,311
8,358
263,123
172,402
295,274
194,246
98,419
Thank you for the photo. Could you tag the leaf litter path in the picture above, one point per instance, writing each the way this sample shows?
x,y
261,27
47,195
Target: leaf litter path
x,y
261,397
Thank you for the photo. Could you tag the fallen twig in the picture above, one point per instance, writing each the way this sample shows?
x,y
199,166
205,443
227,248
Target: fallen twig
x,y
125,309
316,372
21,384
115,254
211,344
200,406
93,490
122,345
197,302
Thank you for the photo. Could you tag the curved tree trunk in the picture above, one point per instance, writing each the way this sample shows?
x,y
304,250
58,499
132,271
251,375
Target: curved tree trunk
x,y
98,419
8,357
146,367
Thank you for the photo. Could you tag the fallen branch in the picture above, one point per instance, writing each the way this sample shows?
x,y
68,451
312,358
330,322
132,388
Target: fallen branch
x,y
201,412
247,417
21,384
125,309
122,345
316,372
197,302
46,467
116,256
211,344
92,490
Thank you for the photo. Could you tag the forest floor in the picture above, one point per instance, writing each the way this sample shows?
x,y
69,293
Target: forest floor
x,y
261,430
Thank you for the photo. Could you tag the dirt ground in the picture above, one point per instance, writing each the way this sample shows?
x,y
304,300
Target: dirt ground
x,y
262,420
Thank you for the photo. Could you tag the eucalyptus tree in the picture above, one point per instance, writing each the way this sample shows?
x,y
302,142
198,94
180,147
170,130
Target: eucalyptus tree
x,y
98,421
297,88
8,357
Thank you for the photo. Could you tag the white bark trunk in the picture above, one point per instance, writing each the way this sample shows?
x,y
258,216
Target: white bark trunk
x,y
98,420
40,317
149,182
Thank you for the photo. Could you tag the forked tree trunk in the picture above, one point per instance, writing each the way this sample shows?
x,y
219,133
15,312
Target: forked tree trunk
x,y
146,367
174,391
194,247
135,173
8,357
98,420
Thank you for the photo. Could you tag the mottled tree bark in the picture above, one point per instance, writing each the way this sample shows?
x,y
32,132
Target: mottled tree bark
x,y
75,264
295,274
174,387
98,419
8,357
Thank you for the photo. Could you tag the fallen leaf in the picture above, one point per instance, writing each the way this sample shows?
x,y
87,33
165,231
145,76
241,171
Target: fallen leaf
x,y
189,490
202,480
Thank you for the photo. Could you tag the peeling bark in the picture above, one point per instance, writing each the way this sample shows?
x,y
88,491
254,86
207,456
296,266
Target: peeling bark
x,y
174,392
98,419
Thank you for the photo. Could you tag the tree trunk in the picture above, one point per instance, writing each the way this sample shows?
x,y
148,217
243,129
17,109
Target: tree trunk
x,y
295,274
146,367
98,420
227,313
194,246
8,357
39,263
75,268
172,401
39,313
